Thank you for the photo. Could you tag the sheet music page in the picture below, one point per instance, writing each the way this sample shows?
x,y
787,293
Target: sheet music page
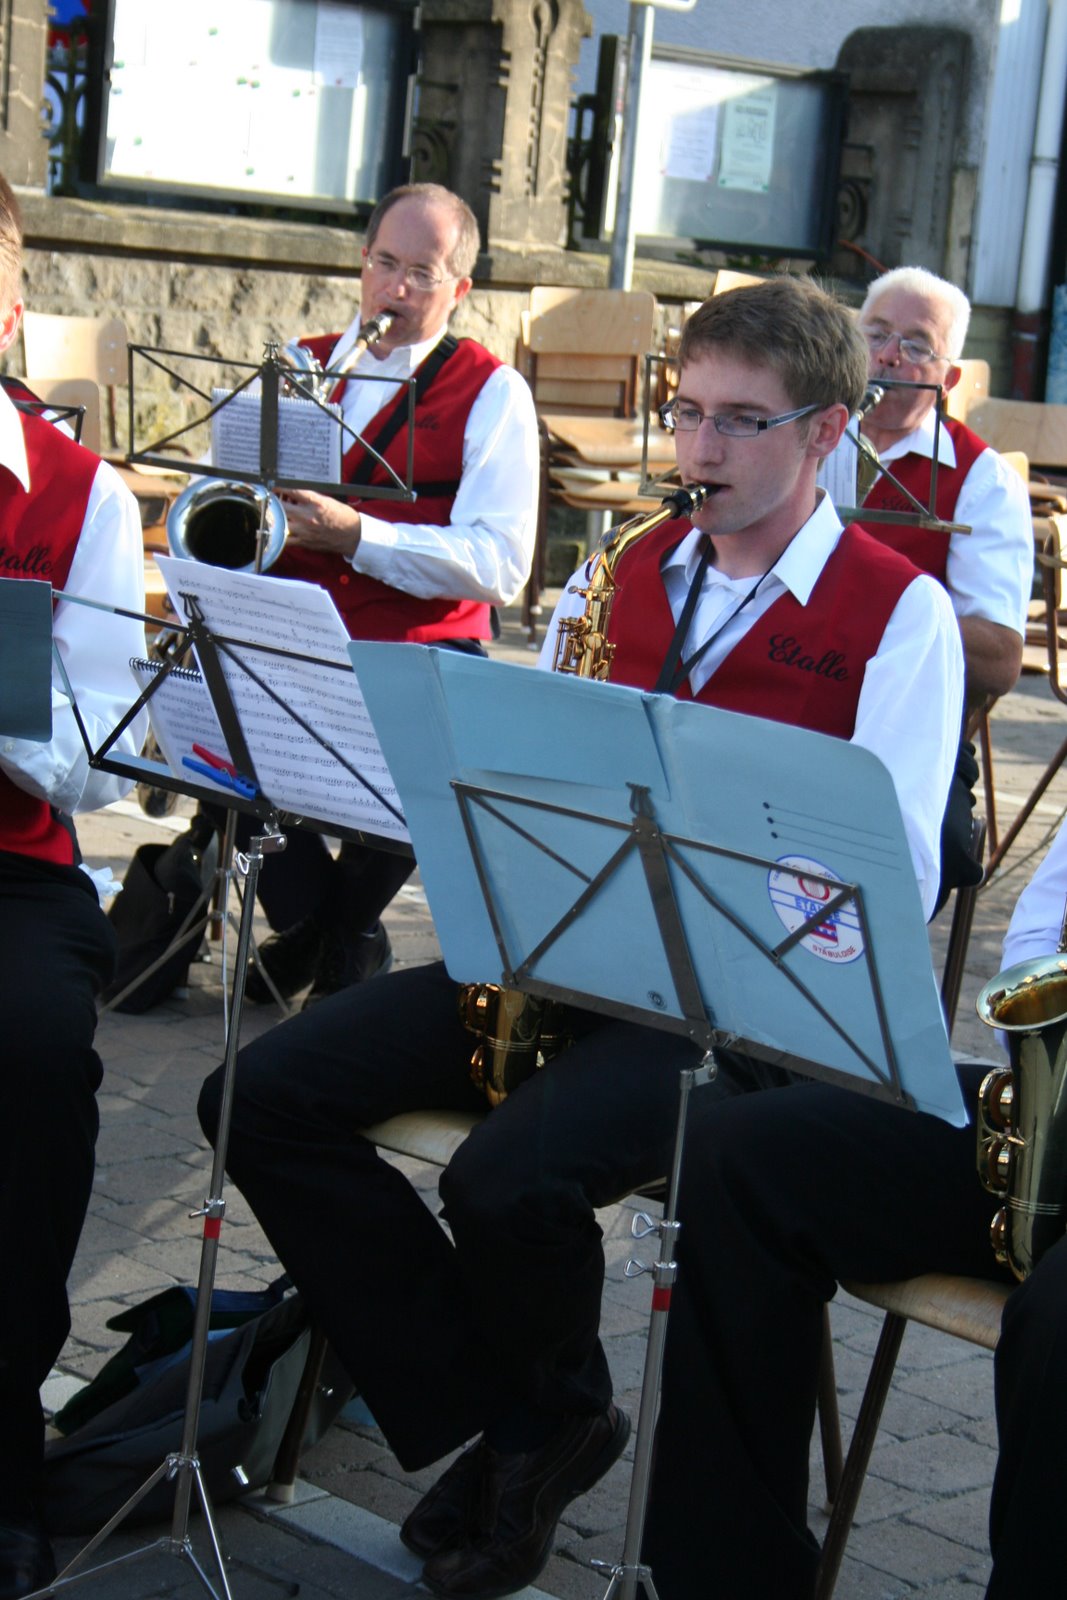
x,y
296,771
837,472
183,718
309,436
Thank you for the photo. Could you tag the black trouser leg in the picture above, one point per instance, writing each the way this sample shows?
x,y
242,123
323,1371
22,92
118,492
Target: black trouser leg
x,y
1030,1488
57,950
783,1194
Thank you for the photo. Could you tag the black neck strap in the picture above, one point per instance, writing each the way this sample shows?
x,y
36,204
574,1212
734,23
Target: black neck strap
x,y
675,670
441,352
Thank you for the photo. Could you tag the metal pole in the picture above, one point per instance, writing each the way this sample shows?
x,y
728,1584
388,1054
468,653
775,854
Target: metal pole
x,y
638,56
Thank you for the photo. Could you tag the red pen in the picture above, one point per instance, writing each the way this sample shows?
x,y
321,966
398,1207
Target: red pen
x,y
215,761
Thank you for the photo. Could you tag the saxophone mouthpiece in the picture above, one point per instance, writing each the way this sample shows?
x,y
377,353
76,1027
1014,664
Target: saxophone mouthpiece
x,y
874,393
686,501
370,332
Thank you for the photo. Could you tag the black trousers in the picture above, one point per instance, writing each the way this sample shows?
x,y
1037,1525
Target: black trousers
x,y
442,1334
782,1195
57,950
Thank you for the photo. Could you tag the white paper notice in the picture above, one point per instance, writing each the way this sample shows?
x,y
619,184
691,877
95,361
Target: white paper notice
x,y
690,144
338,44
310,776
748,141
309,437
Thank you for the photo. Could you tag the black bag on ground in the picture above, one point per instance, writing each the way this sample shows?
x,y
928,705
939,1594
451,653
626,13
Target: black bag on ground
x,y
130,1418
162,885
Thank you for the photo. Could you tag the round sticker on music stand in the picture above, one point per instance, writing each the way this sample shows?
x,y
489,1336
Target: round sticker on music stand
x,y
796,898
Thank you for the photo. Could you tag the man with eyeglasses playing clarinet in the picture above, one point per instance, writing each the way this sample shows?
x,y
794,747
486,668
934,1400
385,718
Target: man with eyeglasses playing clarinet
x,y
759,603
427,571
915,325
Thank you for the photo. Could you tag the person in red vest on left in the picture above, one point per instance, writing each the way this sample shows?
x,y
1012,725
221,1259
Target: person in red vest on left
x,y
65,518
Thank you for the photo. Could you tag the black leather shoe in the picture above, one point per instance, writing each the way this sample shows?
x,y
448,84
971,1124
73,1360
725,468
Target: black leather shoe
x,y
26,1559
447,1515
344,961
291,959
523,1497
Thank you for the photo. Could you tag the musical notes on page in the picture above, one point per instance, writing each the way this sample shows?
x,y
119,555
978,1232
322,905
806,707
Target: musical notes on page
x,y
309,436
283,651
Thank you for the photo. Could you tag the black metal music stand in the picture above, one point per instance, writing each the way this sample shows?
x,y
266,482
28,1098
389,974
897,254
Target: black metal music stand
x,y
275,378
182,1466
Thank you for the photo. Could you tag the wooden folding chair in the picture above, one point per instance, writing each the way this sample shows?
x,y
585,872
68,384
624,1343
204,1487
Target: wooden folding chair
x,y
967,1308
93,348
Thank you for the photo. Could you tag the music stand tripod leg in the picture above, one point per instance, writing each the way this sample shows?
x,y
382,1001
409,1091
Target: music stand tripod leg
x,y
630,1574
183,1465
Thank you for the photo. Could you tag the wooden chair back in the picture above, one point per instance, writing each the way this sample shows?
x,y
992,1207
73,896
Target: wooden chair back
x,y
583,349
73,392
1029,425
973,387
92,348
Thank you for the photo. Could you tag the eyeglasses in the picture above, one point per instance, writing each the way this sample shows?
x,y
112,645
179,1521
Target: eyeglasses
x,y
420,278
677,417
917,351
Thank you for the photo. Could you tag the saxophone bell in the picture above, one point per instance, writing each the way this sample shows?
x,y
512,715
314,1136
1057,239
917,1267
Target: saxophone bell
x,y
217,522
1022,1110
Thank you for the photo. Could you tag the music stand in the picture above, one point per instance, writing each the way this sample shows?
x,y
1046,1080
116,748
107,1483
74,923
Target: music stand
x,y
271,381
273,378
667,863
227,674
25,659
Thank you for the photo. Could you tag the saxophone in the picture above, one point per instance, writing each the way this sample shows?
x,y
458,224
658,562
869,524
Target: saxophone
x,y
516,1032
1022,1109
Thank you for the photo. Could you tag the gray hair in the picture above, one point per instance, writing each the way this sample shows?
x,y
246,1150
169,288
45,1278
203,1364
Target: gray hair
x,y
945,295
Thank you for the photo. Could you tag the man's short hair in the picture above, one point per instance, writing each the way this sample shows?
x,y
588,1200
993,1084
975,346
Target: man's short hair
x,y
810,338
10,245
468,240
945,295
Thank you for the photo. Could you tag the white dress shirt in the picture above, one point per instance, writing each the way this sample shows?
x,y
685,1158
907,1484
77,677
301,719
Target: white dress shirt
x,y
95,646
989,571
911,703
1034,929
485,550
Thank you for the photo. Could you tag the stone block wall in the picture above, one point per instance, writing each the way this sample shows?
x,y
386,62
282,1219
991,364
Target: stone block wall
x,y
217,310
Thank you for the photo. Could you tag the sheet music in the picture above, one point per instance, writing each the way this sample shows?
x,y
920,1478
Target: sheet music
x,y
296,772
182,716
309,436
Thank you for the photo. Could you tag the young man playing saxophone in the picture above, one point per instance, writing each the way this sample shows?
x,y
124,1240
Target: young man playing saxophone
x,y
494,1332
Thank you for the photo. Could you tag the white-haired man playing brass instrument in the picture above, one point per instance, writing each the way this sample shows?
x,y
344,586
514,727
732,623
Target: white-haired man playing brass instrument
x,y
491,1332
915,325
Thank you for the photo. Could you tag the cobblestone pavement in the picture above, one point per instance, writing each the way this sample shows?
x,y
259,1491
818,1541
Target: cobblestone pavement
x,y
921,1523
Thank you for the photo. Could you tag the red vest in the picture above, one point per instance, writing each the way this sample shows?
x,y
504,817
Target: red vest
x,y
38,537
798,664
924,547
372,609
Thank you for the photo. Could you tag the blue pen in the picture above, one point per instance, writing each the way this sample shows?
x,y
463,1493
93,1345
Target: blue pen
x,y
229,780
